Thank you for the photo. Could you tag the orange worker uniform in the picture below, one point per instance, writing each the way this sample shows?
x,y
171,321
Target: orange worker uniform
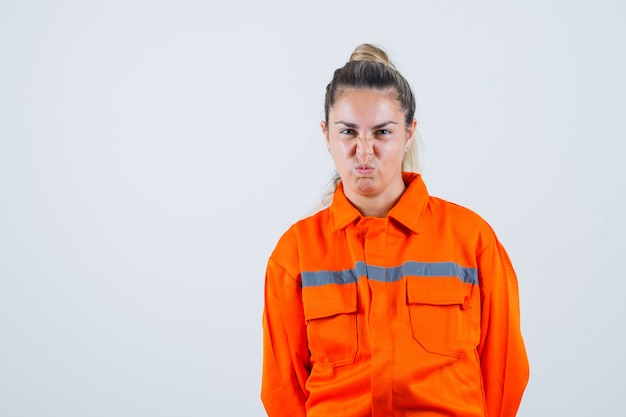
x,y
414,314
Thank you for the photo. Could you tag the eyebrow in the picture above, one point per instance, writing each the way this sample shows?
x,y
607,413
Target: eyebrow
x,y
354,126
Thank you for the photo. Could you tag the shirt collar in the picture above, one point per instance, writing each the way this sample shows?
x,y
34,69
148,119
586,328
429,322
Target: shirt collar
x,y
408,211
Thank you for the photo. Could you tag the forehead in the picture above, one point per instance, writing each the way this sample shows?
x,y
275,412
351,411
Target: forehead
x,y
367,102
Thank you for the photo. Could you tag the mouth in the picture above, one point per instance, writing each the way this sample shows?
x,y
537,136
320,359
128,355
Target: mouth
x,y
364,170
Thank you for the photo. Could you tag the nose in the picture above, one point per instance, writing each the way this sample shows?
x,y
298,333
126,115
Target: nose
x,y
364,149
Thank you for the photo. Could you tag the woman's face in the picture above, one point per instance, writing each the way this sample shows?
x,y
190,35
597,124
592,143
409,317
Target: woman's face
x,y
367,137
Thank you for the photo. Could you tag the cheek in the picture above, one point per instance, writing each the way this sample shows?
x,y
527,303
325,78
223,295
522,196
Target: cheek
x,y
384,150
392,149
345,149
390,155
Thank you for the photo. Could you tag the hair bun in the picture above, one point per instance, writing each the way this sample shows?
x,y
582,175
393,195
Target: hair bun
x,y
368,52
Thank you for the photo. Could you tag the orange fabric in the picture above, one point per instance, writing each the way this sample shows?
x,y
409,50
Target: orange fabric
x,y
415,314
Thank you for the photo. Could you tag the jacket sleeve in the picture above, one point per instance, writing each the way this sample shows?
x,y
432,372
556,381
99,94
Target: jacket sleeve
x,y
504,364
286,361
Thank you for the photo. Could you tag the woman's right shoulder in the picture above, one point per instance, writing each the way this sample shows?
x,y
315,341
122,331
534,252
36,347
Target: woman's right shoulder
x,y
303,231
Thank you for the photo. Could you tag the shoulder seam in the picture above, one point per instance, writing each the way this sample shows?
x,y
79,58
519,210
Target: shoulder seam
x,y
272,260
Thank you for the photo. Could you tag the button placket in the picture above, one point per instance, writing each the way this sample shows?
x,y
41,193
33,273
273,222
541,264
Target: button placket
x,y
382,340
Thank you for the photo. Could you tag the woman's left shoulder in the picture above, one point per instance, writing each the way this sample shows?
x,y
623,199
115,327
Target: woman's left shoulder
x,y
459,215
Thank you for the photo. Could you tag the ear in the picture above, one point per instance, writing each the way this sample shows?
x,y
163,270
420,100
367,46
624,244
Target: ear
x,y
324,127
410,133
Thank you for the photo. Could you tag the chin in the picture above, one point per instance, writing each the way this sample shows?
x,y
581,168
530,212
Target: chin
x,y
365,185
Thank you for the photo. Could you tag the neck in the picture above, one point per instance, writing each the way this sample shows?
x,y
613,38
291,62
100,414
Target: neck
x,y
376,206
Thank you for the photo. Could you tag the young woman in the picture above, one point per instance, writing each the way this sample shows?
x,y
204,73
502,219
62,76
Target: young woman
x,y
389,302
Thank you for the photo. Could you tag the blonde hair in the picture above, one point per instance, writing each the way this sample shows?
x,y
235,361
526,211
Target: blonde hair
x,y
367,52
370,67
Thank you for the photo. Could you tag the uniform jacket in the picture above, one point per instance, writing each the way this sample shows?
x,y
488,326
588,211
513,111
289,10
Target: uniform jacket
x,y
414,314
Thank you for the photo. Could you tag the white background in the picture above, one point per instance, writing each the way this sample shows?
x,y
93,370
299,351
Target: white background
x,y
152,152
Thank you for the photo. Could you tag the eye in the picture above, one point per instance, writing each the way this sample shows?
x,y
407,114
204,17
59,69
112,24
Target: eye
x,y
383,132
347,132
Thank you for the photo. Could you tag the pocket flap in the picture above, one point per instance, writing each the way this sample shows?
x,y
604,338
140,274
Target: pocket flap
x,y
329,300
437,291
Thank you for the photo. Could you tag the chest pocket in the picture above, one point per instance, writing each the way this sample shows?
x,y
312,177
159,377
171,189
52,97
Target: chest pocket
x,y
331,321
443,319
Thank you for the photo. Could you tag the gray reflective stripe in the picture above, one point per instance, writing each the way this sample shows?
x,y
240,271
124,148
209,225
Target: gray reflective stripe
x,y
392,274
315,279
